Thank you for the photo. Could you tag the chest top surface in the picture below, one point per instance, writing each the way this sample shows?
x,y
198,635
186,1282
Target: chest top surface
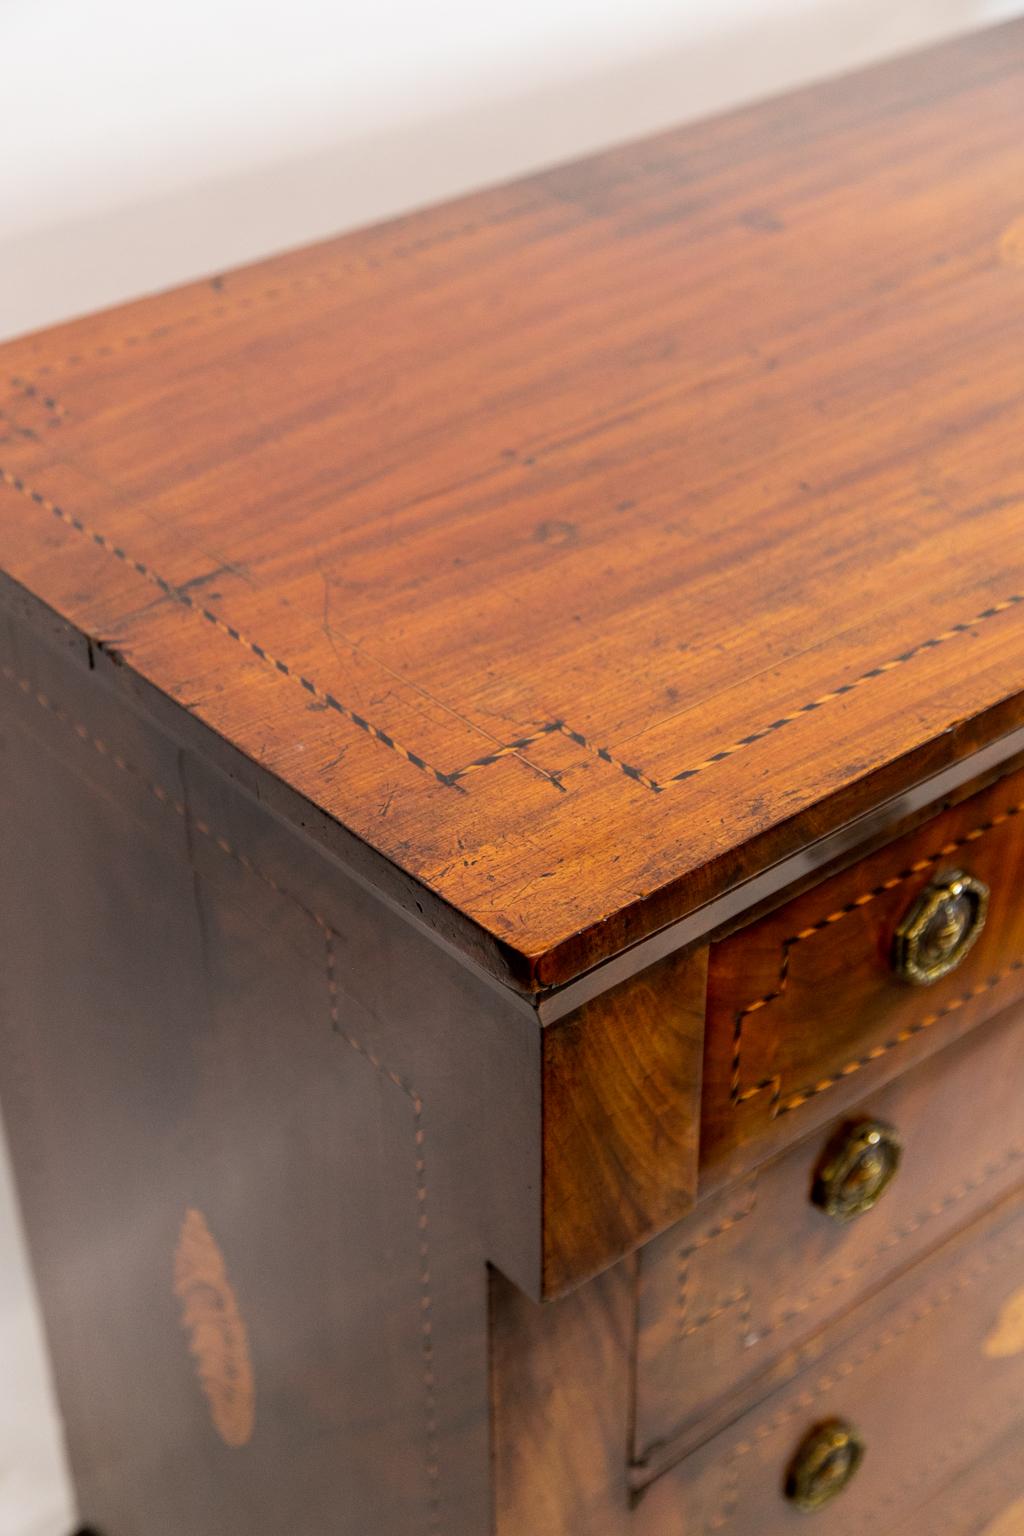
x,y
584,544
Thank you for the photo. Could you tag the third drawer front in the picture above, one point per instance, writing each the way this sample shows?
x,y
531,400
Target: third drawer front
x,y
734,1298
927,1378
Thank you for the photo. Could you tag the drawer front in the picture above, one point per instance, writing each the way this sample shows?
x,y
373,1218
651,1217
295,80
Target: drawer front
x,y
729,1298
806,1009
928,1377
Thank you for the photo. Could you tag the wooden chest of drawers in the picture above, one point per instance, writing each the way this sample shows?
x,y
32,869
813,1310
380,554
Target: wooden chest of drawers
x,y
512,806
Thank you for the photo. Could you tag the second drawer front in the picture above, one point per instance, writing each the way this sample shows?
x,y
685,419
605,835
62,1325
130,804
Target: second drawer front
x,y
929,1377
728,1295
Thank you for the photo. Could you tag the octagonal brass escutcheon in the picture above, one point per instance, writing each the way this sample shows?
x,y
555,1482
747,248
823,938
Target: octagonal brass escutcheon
x,y
858,1167
824,1463
940,928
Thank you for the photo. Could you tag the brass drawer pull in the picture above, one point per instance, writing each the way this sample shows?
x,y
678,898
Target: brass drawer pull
x,y
824,1463
857,1169
940,928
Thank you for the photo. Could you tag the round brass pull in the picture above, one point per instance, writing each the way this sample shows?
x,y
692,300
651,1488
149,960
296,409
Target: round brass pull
x,y
857,1169
940,927
825,1461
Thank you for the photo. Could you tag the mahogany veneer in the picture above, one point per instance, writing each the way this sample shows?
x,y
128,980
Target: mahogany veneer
x,y
512,740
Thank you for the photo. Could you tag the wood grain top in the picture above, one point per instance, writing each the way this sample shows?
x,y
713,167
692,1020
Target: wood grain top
x,y
588,544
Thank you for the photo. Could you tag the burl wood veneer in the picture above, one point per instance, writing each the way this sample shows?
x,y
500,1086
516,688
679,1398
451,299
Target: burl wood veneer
x,y
512,961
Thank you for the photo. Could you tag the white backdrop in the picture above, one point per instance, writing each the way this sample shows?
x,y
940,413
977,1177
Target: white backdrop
x,y
145,145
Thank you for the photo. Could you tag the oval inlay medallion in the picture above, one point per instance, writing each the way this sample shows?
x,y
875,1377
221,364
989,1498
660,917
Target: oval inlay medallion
x,y
216,1333
1007,1337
